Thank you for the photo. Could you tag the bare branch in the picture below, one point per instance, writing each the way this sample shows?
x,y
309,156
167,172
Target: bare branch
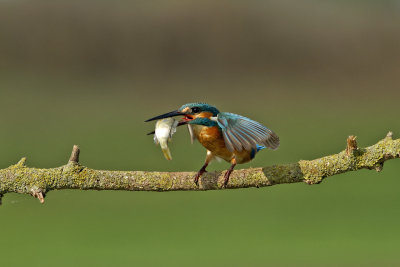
x,y
19,178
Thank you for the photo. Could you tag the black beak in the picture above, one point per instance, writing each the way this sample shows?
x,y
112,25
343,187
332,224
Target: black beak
x,y
179,124
166,115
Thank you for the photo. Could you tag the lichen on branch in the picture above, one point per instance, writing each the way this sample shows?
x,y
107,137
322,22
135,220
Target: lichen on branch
x,y
21,179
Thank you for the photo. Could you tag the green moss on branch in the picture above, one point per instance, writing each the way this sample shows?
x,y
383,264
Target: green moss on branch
x,y
19,178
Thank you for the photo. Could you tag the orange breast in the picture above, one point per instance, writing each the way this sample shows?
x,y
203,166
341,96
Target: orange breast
x,y
211,138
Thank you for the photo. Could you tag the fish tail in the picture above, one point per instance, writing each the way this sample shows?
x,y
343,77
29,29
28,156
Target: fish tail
x,y
165,150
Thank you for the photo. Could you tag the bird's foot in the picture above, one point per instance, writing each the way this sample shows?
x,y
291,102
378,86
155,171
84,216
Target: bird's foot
x,y
196,179
197,176
227,175
199,173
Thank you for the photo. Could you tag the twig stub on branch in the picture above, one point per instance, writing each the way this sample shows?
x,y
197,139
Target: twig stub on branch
x,y
75,154
351,145
38,193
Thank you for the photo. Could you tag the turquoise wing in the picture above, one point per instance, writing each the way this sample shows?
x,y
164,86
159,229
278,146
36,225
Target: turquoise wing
x,y
241,133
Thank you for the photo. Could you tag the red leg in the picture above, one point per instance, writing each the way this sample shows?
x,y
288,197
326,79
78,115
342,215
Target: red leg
x,y
209,157
200,173
229,171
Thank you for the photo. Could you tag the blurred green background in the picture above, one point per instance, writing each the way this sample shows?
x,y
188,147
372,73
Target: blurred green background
x,y
90,73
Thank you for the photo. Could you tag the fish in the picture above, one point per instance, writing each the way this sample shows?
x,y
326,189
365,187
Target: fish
x,y
164,130
192,136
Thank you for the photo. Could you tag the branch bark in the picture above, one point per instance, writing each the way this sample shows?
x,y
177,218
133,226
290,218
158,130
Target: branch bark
x,y
21,179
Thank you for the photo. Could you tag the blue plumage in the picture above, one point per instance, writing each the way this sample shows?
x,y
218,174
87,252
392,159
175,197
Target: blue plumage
x,y
203,121
260,147
241,133
229,136
202,107
254,151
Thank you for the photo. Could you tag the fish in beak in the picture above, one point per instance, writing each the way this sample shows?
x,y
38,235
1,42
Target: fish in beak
x,y
165,128
180,123
187,117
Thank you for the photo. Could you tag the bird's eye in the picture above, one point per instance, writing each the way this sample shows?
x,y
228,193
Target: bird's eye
x,y
195,110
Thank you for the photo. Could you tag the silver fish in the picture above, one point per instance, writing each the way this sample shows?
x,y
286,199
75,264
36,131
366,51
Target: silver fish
x,y
165,128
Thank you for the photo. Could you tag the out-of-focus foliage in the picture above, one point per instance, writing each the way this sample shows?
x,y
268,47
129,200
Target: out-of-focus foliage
x,y
346,38
90,72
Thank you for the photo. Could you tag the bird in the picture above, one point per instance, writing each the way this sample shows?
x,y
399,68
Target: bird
x,y
228,136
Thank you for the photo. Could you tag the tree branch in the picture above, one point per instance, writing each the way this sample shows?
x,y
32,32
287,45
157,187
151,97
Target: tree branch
x,y
19,178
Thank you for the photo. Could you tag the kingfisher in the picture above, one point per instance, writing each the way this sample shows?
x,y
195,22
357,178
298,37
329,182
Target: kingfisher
x,y
231,137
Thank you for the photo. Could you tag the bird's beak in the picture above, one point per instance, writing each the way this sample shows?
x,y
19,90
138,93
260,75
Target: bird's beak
x,y
167,115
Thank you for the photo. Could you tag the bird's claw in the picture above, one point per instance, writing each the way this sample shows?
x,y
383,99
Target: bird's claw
x,y
196,180
225,184
197,177
226,178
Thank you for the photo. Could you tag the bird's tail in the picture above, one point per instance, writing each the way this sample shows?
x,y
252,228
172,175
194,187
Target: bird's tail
x,y
165,149
254,151
260,147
